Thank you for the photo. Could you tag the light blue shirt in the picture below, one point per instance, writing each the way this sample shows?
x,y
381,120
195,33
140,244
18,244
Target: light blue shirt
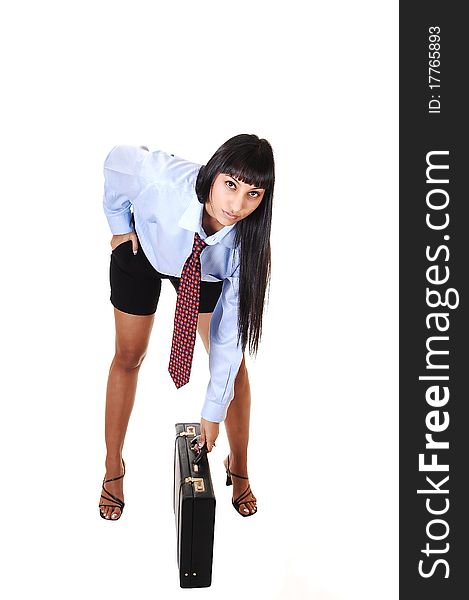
x,y
160,188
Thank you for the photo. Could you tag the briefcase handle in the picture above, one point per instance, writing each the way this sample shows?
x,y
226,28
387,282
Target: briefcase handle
x,y
200,452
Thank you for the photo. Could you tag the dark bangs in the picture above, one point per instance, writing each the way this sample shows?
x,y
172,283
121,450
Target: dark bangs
x,y
245,157
254,168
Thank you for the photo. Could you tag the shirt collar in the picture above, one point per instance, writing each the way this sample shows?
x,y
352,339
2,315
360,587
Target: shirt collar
x,y
192,221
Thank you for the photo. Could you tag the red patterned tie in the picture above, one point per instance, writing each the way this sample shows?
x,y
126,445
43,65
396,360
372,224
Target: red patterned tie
x,y
185,318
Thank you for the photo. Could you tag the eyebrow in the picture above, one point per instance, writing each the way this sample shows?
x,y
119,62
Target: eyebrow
x,y
254,188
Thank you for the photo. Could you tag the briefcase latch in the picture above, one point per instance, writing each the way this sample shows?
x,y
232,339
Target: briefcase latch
x,y
198,483
190,430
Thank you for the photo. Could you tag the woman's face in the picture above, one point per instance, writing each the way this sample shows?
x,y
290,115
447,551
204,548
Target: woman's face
x,y
231,200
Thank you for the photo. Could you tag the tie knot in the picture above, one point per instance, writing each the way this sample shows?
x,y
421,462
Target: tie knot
x,y
199,244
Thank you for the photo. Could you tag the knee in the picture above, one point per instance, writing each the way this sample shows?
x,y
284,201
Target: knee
x,y
129,358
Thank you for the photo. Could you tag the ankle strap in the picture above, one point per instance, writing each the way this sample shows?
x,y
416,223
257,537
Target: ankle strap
x,y
234,474
114,478
240,476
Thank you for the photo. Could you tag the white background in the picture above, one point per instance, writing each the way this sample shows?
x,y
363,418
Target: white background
x,y
319,81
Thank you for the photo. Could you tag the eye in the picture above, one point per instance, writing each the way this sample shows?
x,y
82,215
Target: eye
x,y
233,187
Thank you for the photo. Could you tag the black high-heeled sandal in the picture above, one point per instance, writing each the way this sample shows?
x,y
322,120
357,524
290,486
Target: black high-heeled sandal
x,y
120,503
236,502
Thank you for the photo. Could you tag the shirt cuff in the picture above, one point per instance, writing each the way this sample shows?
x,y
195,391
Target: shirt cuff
x,y
213,411
120,223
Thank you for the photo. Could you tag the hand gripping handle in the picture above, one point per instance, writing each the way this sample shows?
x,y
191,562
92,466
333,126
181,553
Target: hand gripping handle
x,y
200,452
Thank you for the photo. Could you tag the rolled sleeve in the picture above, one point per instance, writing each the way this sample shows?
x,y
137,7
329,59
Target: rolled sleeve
x,y
122,184
225,353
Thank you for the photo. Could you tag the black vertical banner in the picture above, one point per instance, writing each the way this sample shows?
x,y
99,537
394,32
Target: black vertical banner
x,y
434,358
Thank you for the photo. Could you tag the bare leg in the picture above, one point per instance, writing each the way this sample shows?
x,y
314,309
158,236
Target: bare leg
x,y
236,422
132,336
237,430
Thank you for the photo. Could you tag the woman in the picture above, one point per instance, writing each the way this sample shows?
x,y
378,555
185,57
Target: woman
x,y
204,227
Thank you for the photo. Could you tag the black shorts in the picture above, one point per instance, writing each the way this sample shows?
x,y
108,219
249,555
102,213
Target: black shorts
x,y
136,285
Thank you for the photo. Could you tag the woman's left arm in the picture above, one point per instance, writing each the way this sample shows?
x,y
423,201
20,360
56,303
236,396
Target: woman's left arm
x,y
225,354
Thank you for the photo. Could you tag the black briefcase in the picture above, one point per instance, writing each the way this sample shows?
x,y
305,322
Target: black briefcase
x,y
194,508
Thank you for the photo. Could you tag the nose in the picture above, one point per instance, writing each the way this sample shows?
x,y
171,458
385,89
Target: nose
x,y
236,205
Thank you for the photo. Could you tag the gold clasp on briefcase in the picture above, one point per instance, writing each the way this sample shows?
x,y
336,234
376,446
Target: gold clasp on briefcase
x,y
198,483
190,430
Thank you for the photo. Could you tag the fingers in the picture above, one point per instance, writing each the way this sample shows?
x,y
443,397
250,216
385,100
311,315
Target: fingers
x,y
208,433
203,440
210,445
134,244
120,238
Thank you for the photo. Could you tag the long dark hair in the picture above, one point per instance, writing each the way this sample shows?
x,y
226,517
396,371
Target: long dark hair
x,y
250,159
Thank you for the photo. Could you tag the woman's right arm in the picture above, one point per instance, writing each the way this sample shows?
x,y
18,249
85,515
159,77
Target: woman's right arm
x,y
122,184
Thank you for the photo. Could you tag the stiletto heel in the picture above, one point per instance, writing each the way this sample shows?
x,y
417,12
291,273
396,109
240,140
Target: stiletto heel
x,y
228,476
120,503
241,499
